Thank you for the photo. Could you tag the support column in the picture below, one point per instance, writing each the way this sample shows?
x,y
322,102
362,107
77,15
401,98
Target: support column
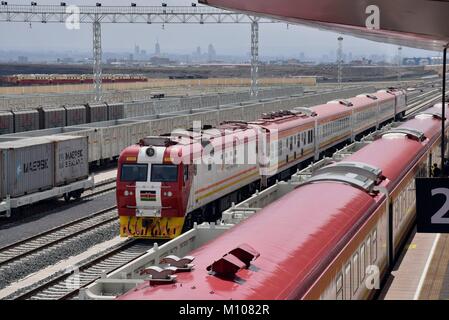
x,y
340,61
97,55
254,56
443,113
399,63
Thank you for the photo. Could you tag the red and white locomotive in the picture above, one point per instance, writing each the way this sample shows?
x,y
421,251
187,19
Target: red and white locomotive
x,y
164,184
306,246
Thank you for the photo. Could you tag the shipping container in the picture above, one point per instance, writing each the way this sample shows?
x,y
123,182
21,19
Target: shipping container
x,y
93,135
138,109
75,115
188,103
167,105
96,112
71,158
115,111
210,100
6,122
27,166
51,117
26,120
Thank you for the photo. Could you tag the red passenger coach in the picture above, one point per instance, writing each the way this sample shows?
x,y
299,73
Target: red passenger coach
x,y
306,246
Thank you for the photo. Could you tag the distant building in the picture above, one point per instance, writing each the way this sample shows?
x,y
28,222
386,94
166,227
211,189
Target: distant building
x,y
22,59
136,50
157,49
160,61
211,53
416,61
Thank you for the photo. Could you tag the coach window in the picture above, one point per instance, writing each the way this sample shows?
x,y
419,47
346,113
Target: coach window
x,y
279,148
298,140
339,286
374,247
348,291
355,277
362,263
367,252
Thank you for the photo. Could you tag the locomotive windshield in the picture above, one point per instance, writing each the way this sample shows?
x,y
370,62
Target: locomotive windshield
x,y
164,173
134,172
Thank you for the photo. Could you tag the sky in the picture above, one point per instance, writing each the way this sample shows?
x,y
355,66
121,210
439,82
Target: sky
x,y
229,39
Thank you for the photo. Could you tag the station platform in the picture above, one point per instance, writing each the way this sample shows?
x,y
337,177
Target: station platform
x,y
421,272
106,176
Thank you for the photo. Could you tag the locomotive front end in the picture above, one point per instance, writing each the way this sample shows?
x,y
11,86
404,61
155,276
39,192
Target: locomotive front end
x,y
151,190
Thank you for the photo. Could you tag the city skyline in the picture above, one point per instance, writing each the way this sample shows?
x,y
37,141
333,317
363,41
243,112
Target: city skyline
x,y
275,39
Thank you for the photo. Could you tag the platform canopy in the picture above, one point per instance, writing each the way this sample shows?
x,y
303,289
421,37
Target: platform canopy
x,y
420,24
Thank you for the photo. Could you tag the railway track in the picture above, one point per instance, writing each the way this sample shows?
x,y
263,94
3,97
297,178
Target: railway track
x,y
27,248
423,101
67,285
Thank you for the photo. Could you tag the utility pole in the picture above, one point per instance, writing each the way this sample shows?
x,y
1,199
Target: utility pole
x,y
254,56
399,63
97,56
340,61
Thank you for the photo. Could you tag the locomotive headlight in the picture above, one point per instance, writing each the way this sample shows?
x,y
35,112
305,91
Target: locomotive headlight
x,y
126,193
150,152
169,193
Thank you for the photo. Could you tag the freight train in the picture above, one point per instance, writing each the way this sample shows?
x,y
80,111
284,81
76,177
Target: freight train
x,y
46,117
309,246
164,185
38,168
60,79
149,117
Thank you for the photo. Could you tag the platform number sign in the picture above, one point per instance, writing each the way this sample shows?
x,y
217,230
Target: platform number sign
x,y
432,205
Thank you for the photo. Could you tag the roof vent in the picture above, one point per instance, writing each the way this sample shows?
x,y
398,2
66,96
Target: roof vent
x,y
410,133
359,168
156,141
228,265
159,275
181,264
232,262
356,174
307,111
346,103
370,96
436,114
245,253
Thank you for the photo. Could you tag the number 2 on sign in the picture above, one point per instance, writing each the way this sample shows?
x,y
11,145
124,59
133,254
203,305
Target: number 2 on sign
x,y
438,218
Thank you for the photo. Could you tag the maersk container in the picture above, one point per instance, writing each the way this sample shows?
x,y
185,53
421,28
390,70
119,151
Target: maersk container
x,y
51,117
96,112
6,122
27,166
71,158
75,115
26,120
115,111
93,135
